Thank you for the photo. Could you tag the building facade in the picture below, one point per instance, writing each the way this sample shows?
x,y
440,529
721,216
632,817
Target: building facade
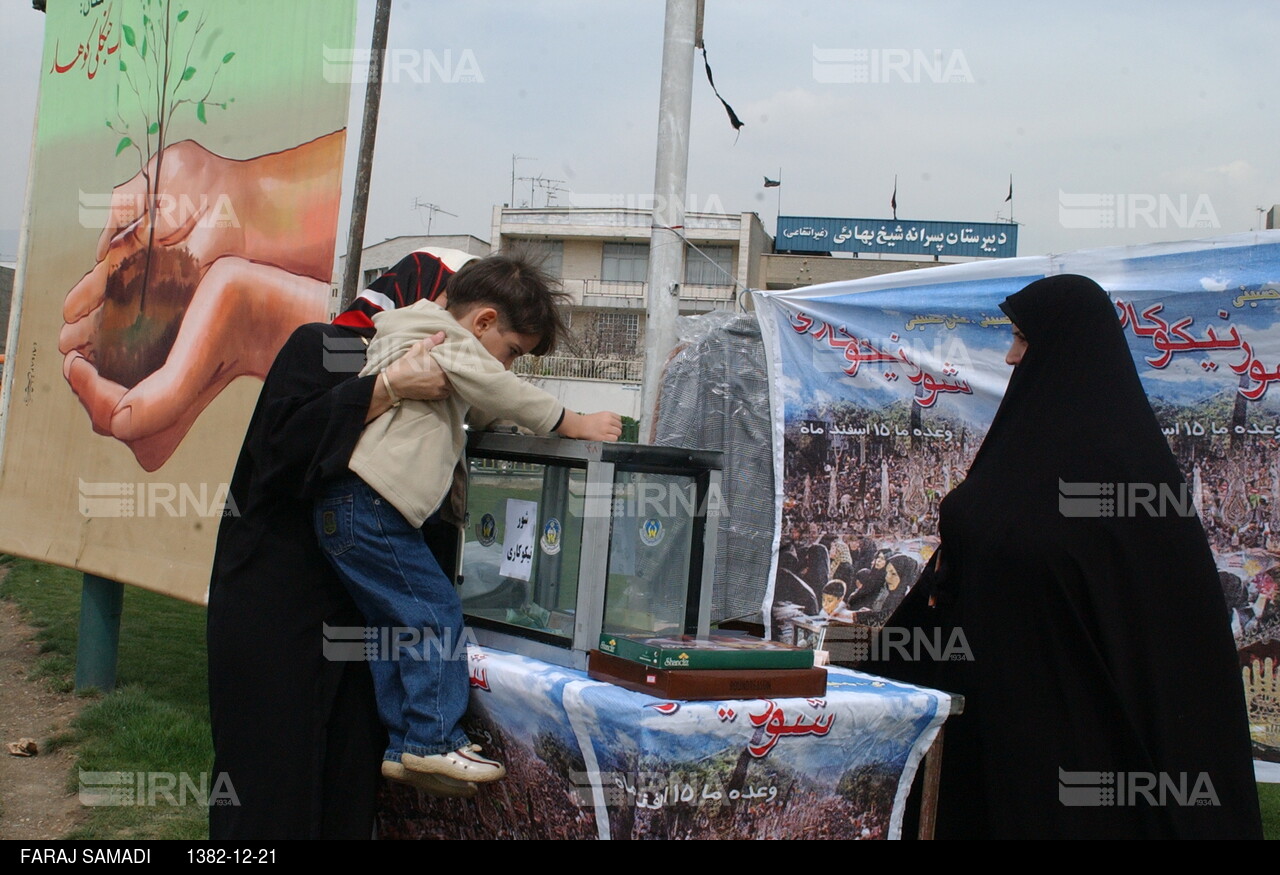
x,y
601,257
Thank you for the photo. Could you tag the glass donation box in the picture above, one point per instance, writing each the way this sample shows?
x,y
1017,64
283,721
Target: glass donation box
x,y
565,540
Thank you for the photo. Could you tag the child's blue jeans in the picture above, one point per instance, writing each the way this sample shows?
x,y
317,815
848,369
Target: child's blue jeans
x,y
421,679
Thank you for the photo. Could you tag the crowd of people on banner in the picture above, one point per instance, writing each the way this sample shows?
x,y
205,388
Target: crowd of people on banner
x,y
1239,496
849,508
1239,505
883,485
835,576
860,519
1251,602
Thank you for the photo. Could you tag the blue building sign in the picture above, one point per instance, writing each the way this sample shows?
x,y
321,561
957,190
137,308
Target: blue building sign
x,y
898,237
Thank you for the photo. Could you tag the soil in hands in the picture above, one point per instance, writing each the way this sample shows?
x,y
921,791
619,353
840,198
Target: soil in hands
x,y
136,332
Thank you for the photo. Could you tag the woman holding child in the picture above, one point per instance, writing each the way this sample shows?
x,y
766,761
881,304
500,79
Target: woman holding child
x,y
295,728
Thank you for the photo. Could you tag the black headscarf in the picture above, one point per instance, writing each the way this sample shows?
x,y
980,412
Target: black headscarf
x,y
423,273
1097,630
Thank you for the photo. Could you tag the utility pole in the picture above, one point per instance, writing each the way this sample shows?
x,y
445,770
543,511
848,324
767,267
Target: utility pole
x,y
364,163
666,242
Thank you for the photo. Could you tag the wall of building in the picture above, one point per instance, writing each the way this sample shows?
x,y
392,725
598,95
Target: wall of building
x,y
582,259
588,396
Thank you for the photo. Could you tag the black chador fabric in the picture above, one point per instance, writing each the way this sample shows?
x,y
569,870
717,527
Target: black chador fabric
x,y
295,733
1102,664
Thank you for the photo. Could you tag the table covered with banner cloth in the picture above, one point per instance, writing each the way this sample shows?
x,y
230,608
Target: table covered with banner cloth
x,y
590,760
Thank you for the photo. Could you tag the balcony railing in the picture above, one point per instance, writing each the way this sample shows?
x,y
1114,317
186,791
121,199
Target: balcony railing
x,y
613,288
620,289
564,368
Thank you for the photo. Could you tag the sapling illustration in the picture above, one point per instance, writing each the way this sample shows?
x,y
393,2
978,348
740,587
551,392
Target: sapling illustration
x,y
169,68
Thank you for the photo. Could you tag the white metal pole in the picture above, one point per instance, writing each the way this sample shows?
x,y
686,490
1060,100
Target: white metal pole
x,y
364,159
666,245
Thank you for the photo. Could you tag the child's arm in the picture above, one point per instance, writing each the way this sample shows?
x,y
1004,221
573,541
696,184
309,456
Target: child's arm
x,y
602,426
493,393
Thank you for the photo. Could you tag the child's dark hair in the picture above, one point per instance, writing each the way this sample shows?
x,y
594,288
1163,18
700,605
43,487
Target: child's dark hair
x,y
519,289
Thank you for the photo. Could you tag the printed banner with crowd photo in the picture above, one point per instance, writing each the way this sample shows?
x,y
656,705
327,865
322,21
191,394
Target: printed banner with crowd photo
x,y
590,760
185,184
883,388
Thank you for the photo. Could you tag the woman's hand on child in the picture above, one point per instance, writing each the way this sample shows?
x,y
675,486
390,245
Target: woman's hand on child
x,y
417,375
602,426
414,375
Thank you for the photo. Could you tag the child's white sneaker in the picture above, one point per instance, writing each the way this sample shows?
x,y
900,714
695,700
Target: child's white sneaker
x,y
432,785
463,764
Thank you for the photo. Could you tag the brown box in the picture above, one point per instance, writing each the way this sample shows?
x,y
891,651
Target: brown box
x,y
707,683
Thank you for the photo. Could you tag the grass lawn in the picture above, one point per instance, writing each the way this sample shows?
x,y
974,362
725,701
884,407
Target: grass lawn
x,y
157,719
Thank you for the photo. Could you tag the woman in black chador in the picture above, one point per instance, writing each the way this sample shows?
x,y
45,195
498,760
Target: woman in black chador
x,y
295,728
1103,697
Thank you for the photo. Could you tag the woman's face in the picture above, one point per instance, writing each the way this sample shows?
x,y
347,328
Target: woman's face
x,y
1018,349
878,562
891,576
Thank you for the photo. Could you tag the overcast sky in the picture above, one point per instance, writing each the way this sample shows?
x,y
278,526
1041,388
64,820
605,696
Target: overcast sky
x,y
1167,107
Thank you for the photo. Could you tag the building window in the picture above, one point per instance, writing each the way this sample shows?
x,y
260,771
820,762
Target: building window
x,y
371,275
547,254
619,333
607,334
625,263
713,267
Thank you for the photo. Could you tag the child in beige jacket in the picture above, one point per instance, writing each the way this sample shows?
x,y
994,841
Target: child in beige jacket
x,y
369,524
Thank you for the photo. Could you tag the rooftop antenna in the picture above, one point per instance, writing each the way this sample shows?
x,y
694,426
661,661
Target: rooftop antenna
x,y
531,180
550,187
431,209
514,159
